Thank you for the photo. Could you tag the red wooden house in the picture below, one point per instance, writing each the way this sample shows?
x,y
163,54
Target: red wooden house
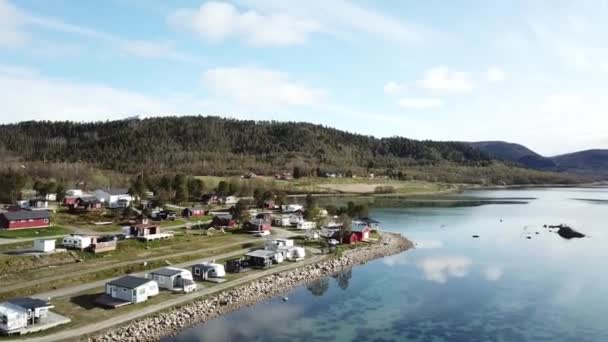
x,y
258,225
24,219
350,238
194,212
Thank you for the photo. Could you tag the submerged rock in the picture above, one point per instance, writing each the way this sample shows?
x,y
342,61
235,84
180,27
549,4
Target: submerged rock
x,y
475,236
569,233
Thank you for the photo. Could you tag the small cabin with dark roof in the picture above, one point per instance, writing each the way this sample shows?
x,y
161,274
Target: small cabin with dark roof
x,y
131,289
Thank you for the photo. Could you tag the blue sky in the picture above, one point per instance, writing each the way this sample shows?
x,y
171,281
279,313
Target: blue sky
x,y
526,71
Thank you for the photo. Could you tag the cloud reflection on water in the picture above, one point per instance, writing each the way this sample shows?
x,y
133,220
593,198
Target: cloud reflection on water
x,y
438,269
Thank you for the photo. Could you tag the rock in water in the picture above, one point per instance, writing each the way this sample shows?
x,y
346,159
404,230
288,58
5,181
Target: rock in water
x,y
569,233
475,236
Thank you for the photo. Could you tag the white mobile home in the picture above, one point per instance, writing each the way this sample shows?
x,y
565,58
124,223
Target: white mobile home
x,y
114,198
281,221
23,315
132,289
295,219
292,208
77,242
307,225
174,279
12,318
44,245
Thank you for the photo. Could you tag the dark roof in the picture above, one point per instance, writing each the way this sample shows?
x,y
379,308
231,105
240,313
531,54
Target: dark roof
x,y
26,215
29,303
167,272
88,199
369,220
129,282
359,228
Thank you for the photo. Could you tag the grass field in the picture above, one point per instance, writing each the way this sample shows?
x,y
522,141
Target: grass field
x,y
33,233
334,185
18,269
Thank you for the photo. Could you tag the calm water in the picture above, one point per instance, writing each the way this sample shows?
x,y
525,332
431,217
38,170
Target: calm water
x,y
500,287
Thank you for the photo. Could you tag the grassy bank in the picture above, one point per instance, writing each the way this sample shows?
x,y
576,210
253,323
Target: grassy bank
x,y
33,233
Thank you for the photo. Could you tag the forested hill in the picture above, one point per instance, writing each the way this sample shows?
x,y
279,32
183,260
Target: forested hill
x,y
212,145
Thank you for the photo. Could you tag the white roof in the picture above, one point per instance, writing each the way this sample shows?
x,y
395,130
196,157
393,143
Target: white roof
x,y
261,253
9,309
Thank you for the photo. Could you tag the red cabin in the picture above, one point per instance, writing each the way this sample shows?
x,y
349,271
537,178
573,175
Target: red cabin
x,y
351,239
25,219
69,200
194,212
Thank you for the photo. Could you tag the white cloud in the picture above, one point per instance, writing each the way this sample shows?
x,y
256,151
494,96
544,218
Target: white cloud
x,y
14,32
11,23
493,273
439,269
420,102
564,103
260,87
429,244
157,50
393,88
495,75
217,21
344,19
28,95
442,79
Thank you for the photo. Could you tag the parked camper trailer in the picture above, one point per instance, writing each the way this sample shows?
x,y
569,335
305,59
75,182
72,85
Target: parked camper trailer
x,y
206,270
77,242
174,279
305,225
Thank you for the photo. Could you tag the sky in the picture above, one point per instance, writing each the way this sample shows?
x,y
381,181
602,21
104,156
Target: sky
x,y
527,71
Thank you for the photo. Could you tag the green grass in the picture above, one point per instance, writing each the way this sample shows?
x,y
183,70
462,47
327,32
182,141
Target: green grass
x,y
33,233
343,185
115,272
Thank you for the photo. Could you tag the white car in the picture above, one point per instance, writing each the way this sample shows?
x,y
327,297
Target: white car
x,y
333,242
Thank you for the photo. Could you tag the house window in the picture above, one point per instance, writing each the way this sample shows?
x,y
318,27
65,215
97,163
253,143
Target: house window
x,y
197,271
3,319
142,291
124,290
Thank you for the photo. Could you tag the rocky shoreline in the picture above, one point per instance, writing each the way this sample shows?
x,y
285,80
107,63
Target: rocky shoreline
x,y
172,321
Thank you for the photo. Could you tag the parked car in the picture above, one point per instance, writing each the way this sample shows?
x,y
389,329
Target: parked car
x,y
333,242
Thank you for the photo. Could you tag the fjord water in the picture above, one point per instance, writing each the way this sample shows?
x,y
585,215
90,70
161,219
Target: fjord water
x,y
501,286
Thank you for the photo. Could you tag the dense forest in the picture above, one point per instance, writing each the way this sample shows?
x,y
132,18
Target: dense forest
x,y
211,145
197,145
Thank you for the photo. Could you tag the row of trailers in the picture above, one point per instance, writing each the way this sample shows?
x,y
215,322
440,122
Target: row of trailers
x,y
275,252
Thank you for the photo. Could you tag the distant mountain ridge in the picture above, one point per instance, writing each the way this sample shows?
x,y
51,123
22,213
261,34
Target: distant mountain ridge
x,y
589,162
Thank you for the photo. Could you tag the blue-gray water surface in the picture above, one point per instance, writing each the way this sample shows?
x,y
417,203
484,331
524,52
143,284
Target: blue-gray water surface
x,y
501,286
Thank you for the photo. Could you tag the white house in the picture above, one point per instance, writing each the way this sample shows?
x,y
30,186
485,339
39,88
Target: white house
x,y
18,313
51,197
281,221
114,198
12,318
295,220
77,242
174,279
44,245
132,289
306,225
292,208
230,200
74,193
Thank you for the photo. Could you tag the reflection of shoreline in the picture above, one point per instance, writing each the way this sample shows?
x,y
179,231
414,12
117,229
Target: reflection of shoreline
x,y
174,320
